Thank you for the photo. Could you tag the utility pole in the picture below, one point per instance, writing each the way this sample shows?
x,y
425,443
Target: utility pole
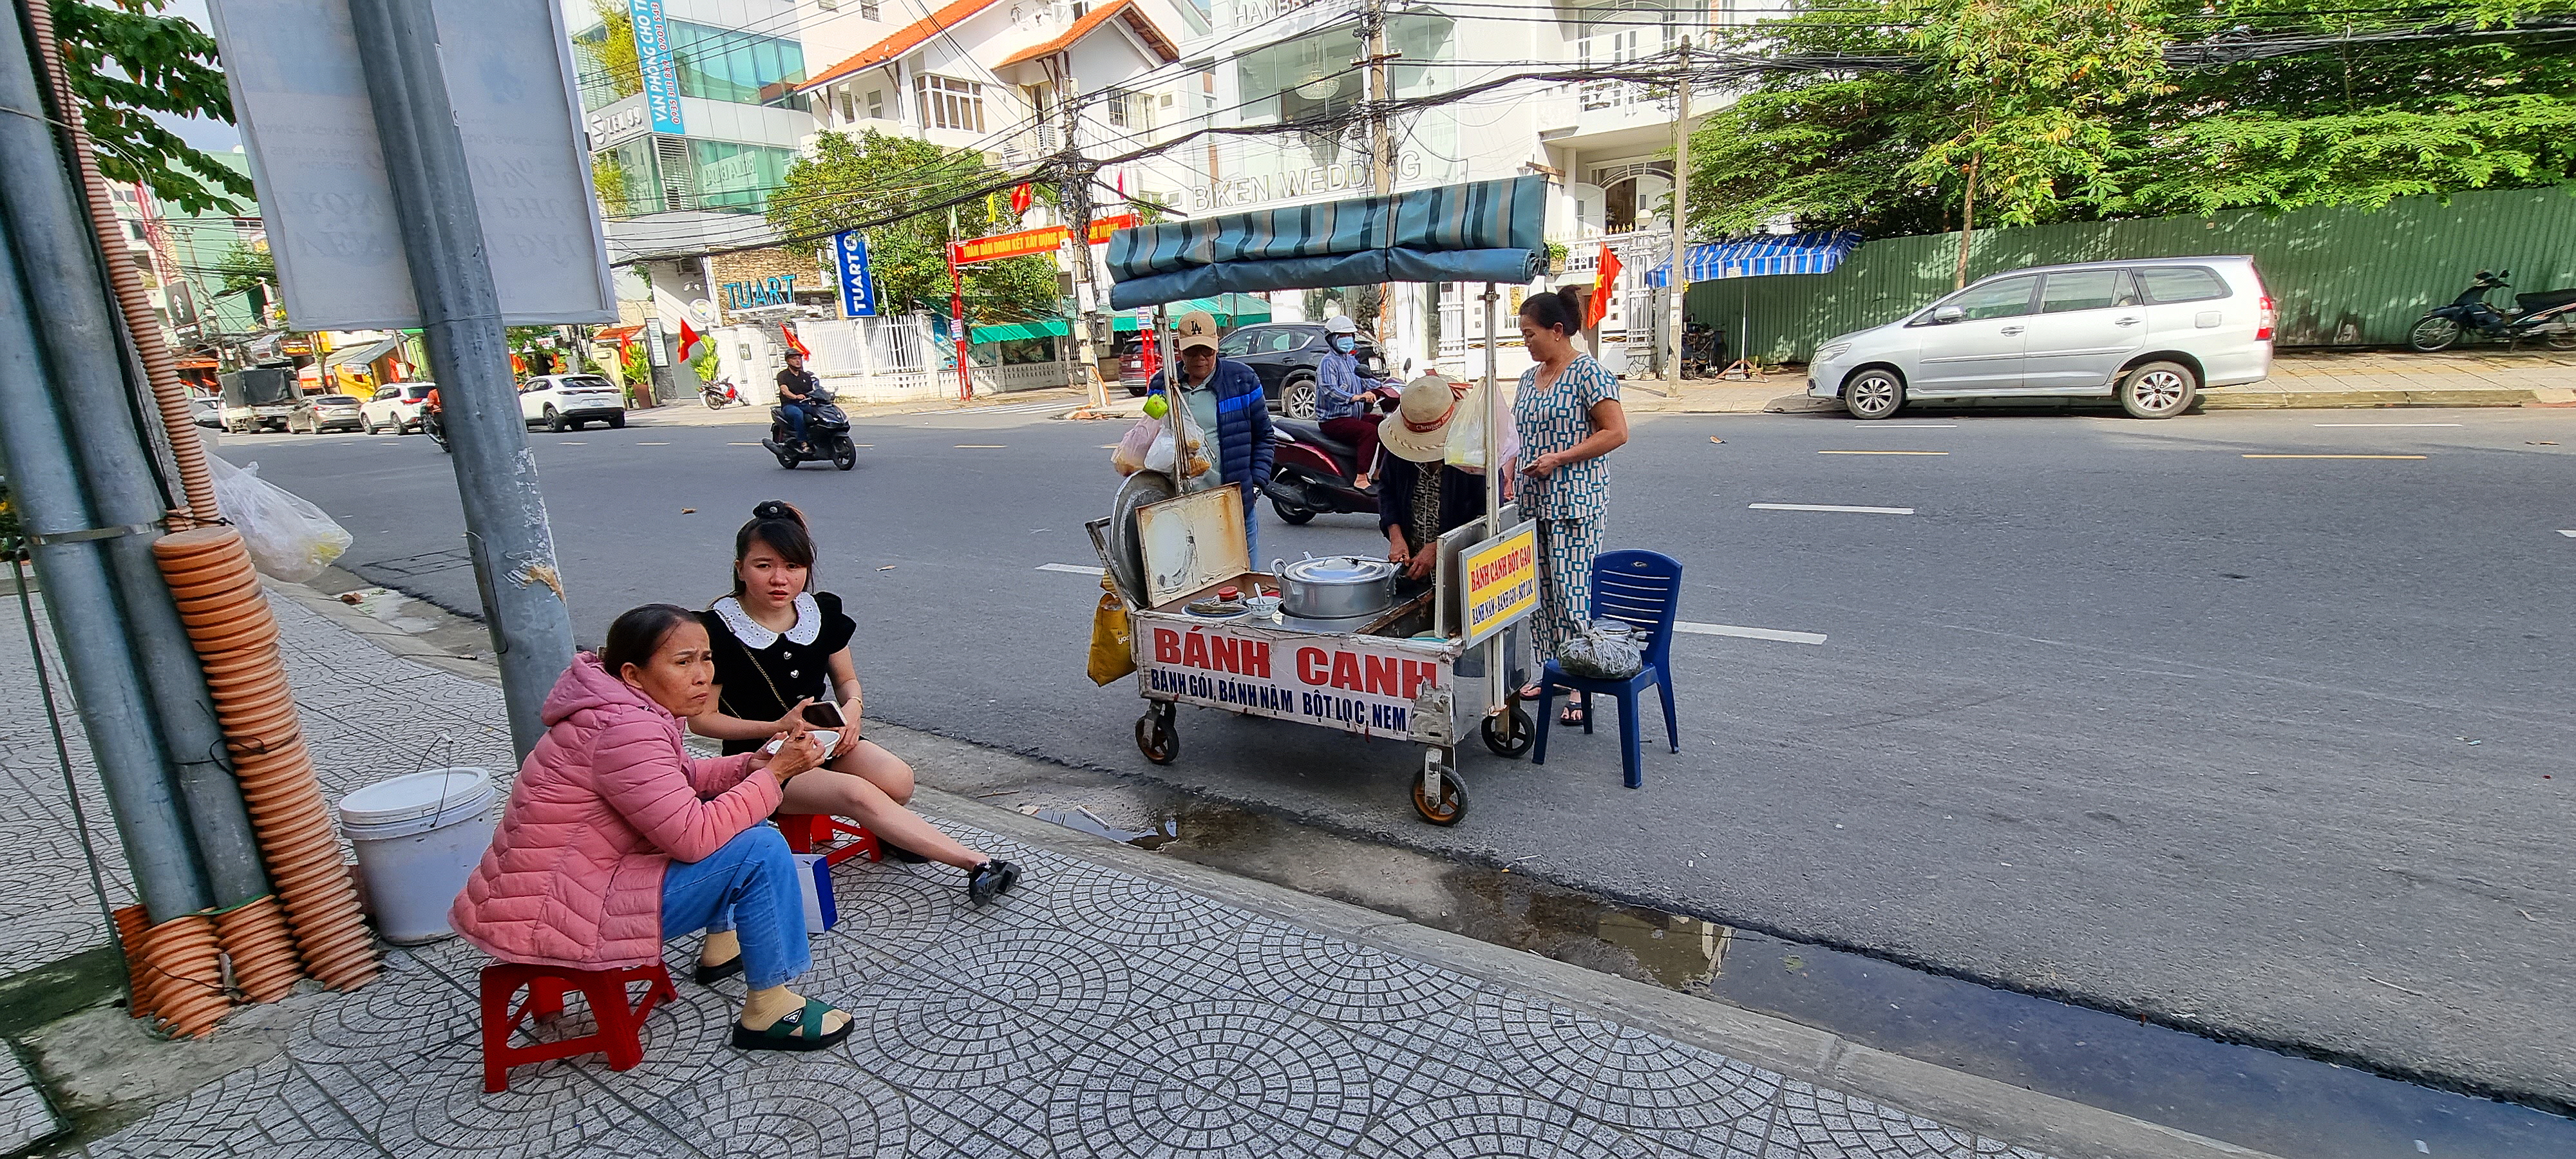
x,y
1381,150
1078,176
1679,282
505,515
957,306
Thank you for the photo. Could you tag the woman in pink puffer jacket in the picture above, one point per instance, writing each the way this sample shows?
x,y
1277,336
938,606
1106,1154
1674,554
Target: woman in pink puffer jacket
x,y
615,837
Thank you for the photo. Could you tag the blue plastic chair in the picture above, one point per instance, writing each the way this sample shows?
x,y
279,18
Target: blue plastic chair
x,y
1642,588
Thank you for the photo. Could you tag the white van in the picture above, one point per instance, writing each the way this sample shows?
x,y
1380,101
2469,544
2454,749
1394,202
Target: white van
x,y
2152,332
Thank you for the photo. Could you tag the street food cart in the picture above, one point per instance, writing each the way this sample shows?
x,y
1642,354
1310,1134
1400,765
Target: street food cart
x,y
1422,666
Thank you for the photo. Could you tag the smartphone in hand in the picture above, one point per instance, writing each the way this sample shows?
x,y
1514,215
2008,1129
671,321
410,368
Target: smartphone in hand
x,y
825,714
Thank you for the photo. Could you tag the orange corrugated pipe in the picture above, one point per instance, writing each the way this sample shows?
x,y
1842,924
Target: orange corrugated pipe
x,y
228,622
254,938
188,971
195,480
131,924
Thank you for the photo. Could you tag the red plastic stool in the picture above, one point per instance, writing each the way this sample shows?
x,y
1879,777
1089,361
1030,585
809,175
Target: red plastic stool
x,y
620,1031
807,832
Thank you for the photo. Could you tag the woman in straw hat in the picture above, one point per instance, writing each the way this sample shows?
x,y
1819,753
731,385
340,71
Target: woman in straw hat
x,y
1568,417
1419,495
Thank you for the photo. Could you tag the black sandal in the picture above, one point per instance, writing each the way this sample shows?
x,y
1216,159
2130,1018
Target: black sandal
x,y
894,852
801,1031
991,880
707,975
1573,714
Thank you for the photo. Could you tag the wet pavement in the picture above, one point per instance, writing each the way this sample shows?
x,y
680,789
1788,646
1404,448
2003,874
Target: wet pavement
x,y
1094,1011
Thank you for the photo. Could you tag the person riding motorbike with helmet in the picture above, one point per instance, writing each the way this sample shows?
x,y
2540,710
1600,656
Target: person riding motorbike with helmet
x,y
796,387
1345,400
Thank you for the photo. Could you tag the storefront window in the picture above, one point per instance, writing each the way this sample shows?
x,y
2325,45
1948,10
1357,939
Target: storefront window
x,y
626,179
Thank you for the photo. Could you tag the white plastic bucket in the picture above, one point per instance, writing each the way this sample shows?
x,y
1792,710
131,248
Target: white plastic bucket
x,y
418,837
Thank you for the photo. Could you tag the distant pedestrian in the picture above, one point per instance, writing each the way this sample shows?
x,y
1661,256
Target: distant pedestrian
x,y
615,838
1224,397
1568,417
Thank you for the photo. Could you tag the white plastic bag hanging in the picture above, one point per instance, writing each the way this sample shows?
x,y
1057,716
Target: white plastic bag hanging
x,y
1197,475
288,538
1466,449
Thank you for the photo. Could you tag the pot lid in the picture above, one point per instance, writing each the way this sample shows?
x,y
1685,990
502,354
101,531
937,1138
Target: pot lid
x,y
1339,569
436,793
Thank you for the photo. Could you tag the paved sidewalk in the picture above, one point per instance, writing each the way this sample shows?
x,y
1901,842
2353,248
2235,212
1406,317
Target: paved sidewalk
x,y
1117,1004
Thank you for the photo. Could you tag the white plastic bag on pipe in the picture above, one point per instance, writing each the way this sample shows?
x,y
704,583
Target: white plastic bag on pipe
x,y
289,539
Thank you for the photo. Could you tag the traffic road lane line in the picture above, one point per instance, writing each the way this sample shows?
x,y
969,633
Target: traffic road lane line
x,y
2385,424
1830,507
1069,568
2333,456
983,446
652,444
2571,534
1748,633
1882,452
1916,426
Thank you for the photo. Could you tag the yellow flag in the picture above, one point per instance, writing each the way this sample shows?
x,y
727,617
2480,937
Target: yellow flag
x,y
992,209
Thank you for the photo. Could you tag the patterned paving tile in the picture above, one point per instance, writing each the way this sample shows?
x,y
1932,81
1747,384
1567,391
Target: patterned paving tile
x,y
24,1115
1225,1077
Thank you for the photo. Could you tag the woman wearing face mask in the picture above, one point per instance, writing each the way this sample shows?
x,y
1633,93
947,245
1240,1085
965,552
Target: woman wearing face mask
x,y
780,647
1346,402
615,838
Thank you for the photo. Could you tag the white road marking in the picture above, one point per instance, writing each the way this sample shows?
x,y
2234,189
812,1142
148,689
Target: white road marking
x,y
983,447
652,444
1749,633
1882,452
2332,456
568,443
1916,426
2571,534
1069,568
1830,507
2384,424
742,444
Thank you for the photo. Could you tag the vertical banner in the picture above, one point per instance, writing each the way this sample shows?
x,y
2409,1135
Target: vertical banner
x,y
858,289
661,72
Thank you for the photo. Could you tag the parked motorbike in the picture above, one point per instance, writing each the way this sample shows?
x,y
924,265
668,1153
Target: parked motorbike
x,y
435,427
1312,473
827,436
719,395
2550,314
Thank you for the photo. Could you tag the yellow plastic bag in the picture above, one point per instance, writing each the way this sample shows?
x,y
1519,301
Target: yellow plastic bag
x,y
1113,652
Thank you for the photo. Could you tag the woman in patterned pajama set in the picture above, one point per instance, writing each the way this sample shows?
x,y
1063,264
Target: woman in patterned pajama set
x,y
1567,414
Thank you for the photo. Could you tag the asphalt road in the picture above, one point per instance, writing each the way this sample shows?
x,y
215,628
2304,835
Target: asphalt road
x,y
2121,713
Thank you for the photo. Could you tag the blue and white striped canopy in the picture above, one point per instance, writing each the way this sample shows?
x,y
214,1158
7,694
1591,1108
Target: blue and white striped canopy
x,y
1484,231
1758,257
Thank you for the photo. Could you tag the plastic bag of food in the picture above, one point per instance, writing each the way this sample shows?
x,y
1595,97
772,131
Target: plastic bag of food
x,y
1113,652
289,539
1158,457
1129,457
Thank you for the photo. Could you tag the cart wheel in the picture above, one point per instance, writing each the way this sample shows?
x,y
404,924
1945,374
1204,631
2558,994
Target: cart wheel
x,y
1515,741
1156,737
1450,805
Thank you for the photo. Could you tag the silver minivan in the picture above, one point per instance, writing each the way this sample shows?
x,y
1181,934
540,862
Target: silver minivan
x,y
2151,331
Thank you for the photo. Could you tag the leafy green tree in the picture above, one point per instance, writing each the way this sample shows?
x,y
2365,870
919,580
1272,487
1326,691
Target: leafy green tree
x,y
127,61
608,59
850,179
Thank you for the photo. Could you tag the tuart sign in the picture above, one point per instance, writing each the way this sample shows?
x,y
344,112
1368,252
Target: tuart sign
x,y
858,286
772,291
1361,684
1502,581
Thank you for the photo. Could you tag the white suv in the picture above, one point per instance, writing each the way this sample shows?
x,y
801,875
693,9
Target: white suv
x,y
2152,332
396,407
565,401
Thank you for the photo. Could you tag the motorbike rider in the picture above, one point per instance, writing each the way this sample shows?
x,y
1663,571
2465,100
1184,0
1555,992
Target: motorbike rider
x,y
1225,399
430,415
796,390
1345,401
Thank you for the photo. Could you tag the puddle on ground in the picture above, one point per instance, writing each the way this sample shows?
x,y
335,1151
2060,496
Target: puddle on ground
x,y
2292,1107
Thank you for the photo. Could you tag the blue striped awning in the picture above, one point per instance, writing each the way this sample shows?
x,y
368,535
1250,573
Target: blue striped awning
x,y
1762,257
1485,231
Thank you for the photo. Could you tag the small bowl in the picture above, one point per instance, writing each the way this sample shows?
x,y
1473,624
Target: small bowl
x,y
1261,605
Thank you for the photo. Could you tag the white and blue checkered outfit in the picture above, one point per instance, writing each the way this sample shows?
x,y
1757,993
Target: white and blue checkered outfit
x,y
1572,502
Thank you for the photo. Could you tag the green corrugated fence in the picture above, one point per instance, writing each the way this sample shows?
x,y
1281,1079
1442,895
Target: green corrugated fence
x,y
2340,277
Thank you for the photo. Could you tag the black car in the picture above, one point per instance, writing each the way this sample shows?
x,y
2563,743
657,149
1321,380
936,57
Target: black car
x,y
1285,355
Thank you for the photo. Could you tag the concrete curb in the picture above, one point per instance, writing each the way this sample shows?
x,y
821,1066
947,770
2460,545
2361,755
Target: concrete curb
x,y
2067,1129
2230,398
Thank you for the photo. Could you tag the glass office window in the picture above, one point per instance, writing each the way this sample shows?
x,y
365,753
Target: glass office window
x,y
720,64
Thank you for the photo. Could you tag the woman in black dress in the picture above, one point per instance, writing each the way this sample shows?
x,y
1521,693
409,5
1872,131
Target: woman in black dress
x,y
780,647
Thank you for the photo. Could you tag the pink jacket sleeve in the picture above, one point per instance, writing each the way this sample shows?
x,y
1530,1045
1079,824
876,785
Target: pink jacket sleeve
x,y
718,774
648,782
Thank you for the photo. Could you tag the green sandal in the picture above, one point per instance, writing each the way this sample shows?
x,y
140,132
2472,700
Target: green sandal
x,y
800,1031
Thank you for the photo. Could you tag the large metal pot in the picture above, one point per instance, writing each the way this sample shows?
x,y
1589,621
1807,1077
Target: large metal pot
x,y
1335,587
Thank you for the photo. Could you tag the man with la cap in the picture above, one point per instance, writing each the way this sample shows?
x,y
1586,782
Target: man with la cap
x,y
1224,398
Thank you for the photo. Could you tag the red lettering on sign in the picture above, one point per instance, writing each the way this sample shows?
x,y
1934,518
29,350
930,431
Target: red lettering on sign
x,y
1418,673
1382,674
1346,672
1311,666
1221,654
1255,656
1194,650
1167,646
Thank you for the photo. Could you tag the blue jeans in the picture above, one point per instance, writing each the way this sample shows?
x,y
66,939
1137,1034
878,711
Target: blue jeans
x,y
1252,529
795,416
749,886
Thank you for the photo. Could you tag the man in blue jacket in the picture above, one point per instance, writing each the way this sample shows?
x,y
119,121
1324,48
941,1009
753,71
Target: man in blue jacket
x,y
1231,392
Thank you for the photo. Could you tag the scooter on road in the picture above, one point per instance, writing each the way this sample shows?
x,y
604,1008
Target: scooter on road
x,y
719,394
1313,473
827,435
2550,314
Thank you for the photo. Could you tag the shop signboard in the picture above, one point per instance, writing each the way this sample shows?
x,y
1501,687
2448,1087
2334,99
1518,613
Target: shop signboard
x,y
1043,240
1362,684
858,286
661,71
1502,581
1102,227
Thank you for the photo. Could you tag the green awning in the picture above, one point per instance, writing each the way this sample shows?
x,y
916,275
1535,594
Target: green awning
x,y
1230,310
1009,331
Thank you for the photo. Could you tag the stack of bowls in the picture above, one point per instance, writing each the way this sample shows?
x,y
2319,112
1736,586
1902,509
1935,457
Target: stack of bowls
x,y
227,618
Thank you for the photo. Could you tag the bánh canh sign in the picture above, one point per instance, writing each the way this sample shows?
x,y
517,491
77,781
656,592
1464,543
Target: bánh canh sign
x,y
1502,580
1358,684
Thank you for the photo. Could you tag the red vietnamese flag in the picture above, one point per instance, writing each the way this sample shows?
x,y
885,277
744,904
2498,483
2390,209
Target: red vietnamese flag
x,y
1020,197
689,337
795,345
1602,283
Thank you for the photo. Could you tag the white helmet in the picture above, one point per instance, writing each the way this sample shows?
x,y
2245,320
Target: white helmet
x,y
1340,324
